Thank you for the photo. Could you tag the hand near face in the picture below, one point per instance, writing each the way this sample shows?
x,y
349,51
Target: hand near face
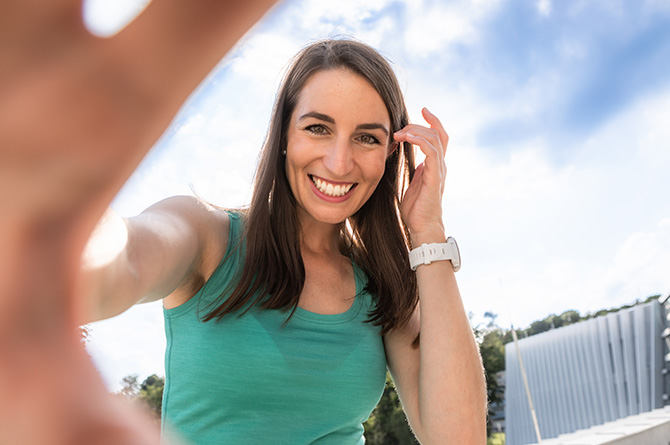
x,y
422,205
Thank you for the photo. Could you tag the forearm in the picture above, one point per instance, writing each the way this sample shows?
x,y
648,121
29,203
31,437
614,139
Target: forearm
x,y
174,44
452,390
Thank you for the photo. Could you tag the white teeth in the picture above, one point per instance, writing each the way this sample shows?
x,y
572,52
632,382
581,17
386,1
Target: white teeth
x,y
330,189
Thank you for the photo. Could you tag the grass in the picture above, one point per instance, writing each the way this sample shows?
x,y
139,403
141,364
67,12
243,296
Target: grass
x,y
496,439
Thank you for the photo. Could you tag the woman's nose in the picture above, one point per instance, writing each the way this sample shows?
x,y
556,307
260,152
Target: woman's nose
x,y
339,157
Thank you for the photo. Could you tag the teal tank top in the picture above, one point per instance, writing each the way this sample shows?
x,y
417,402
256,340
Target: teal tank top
x,y
250,380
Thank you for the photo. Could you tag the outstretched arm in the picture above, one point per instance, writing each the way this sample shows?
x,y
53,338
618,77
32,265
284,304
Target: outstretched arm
x,y
167,252
441,383
78,113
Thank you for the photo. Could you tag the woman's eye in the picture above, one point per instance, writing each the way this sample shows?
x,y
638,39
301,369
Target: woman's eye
x,y
368,139
316,129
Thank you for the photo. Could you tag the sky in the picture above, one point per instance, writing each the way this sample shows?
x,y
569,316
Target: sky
x,y
558,160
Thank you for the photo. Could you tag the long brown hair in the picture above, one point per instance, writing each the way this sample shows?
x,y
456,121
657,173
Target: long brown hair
x,y
273,274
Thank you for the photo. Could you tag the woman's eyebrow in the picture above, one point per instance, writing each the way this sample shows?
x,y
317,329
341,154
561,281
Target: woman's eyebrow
x,y
320,116
326,118
374,126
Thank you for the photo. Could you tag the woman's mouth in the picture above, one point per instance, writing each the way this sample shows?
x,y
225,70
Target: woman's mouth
x,y
332,189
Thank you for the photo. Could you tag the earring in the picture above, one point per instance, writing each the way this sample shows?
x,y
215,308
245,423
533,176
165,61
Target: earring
x,y
283,152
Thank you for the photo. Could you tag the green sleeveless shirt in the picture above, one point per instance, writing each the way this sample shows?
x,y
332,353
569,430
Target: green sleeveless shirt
x,y
250,380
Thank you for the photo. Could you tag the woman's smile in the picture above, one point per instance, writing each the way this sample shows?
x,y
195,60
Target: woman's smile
x,y
331,190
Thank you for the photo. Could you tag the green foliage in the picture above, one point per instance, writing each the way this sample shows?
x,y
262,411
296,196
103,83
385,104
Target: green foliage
x,y
151,394
492,350
496,439
387,424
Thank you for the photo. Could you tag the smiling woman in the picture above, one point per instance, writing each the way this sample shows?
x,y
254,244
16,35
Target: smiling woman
x,y
305,298
290,309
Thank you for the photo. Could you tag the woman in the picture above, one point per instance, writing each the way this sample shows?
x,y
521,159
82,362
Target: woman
x,y
274,314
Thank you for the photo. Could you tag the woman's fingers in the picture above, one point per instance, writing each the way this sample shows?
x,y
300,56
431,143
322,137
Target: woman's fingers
x,y
428,141
422,204
435,134
435,123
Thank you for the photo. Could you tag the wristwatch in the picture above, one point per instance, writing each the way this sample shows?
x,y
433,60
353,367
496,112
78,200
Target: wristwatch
x,y
427,253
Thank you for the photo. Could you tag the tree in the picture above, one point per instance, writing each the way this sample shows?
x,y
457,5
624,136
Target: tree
x,y
130,387
387,424
492,350
151,394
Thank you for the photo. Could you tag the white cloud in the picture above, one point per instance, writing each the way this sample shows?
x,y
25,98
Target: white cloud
x,y
309,20
544,7
350,13
589,235
526,176
642,263
655,115
571,48
521,292
262,59
433,26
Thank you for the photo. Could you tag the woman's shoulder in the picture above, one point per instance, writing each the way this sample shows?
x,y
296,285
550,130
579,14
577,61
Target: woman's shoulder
x,y
213,227
208,220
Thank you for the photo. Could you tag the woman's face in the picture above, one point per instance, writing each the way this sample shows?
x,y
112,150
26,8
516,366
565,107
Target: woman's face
x,y
337,144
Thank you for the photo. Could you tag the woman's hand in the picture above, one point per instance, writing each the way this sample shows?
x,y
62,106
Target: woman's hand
x,y
441,382
422,205
78,114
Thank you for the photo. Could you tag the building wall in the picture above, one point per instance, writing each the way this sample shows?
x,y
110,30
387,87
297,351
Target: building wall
x,y
586,374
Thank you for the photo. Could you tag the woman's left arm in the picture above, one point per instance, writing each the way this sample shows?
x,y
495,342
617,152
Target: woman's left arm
x,y
441,383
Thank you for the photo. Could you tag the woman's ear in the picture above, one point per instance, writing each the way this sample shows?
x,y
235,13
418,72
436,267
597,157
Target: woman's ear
x,y
392,147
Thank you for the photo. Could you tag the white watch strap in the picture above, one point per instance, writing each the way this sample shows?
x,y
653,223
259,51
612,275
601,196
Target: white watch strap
x,y
427,253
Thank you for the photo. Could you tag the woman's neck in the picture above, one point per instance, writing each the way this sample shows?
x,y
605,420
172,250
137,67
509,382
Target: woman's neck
x,y
319,238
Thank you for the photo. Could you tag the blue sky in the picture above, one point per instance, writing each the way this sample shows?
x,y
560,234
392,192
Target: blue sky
x,y
558,163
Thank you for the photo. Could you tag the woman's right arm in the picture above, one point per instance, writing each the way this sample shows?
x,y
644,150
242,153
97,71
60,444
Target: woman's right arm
x,y
166,252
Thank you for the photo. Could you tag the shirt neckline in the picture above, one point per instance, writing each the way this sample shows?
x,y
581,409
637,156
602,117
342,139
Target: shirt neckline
x,y
342,317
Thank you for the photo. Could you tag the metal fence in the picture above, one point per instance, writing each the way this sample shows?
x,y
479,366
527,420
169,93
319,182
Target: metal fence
x,y
587,373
